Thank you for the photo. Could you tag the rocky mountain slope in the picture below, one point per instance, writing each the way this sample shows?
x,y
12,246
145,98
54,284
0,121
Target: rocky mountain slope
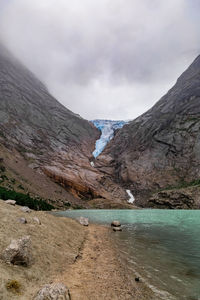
x,y
161,148
45,149
37,132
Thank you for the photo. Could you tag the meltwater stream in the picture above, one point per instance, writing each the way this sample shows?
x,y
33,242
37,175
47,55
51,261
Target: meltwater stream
x,y
162,246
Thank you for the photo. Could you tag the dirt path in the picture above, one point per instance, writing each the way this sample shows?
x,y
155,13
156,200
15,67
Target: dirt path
x,y
98,274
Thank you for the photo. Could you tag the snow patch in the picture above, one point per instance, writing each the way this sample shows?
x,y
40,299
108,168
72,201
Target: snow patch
x,y
132,198
92,163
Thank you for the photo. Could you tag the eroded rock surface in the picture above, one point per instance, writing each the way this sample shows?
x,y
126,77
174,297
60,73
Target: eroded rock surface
x,y
161,148
83,221
22,220
37,220
115,223
49,139
183,198
19,252
11,202
55,291
25,209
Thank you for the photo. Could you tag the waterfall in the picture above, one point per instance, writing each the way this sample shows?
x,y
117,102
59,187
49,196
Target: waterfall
x,y
132,198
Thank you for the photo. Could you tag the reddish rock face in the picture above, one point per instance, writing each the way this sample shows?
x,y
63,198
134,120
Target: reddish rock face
x,y
41,138
74,172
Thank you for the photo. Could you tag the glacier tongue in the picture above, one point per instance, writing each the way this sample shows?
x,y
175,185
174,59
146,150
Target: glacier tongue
x,y
107,128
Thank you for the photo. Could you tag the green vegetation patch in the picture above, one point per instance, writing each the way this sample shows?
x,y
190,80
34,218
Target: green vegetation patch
x,y
184,184
24,199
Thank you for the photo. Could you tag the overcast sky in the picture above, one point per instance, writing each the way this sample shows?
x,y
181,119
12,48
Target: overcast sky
x,y
108,59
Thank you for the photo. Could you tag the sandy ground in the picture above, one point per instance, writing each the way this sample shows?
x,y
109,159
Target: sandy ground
x,y
63,250
55,245
98,273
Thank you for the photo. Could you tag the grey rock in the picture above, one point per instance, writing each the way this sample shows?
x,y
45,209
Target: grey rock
x,y
185,198
25,101
37,220
22,220
35,124
18,252
115,223
117,229
83,221
11,202
26,209
161,148
55,291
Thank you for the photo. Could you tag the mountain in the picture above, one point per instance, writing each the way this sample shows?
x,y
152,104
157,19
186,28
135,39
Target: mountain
x,y
45,149
161,148
38,134
49,152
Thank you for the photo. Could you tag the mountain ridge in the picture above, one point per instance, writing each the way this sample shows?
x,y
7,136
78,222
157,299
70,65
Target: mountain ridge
x,y
46,149
36,128
160,148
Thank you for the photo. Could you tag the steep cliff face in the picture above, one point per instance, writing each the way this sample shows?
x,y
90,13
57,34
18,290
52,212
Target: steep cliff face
x,y
161,148
37,133
46,149
31,116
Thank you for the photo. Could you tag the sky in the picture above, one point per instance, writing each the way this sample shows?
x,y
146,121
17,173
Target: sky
x,y
108,59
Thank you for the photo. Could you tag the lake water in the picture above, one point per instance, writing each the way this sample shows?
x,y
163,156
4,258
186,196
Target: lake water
x,y
163,246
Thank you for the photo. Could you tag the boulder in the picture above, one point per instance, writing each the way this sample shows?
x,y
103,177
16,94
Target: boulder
x,y
18,252
55,291
115,223
26,209
83,221
22,220
36,220
11,202
117,229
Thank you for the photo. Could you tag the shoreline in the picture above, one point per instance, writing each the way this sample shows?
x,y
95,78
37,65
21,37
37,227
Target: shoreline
x,y
98,272
85,259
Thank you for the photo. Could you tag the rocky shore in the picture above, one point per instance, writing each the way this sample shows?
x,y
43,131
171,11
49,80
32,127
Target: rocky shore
x,y
60,254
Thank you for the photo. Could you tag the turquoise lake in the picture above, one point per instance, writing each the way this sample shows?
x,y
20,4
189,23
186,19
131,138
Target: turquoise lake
x,y
161,246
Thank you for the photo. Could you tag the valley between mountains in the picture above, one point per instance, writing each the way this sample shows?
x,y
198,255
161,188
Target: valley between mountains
x,y
47,151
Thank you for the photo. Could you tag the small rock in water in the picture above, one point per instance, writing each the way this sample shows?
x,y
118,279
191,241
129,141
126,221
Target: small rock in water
x,y
36,220
115,223
83,221
18,252
53,291
117,229
11,202
22,220
26,209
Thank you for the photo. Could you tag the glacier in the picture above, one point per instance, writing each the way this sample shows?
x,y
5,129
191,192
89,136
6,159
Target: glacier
x,y
107,128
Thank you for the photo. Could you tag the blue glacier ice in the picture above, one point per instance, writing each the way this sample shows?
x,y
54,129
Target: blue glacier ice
x,y
107,128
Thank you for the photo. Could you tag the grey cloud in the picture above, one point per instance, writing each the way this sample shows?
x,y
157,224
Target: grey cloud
x,y
104,58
